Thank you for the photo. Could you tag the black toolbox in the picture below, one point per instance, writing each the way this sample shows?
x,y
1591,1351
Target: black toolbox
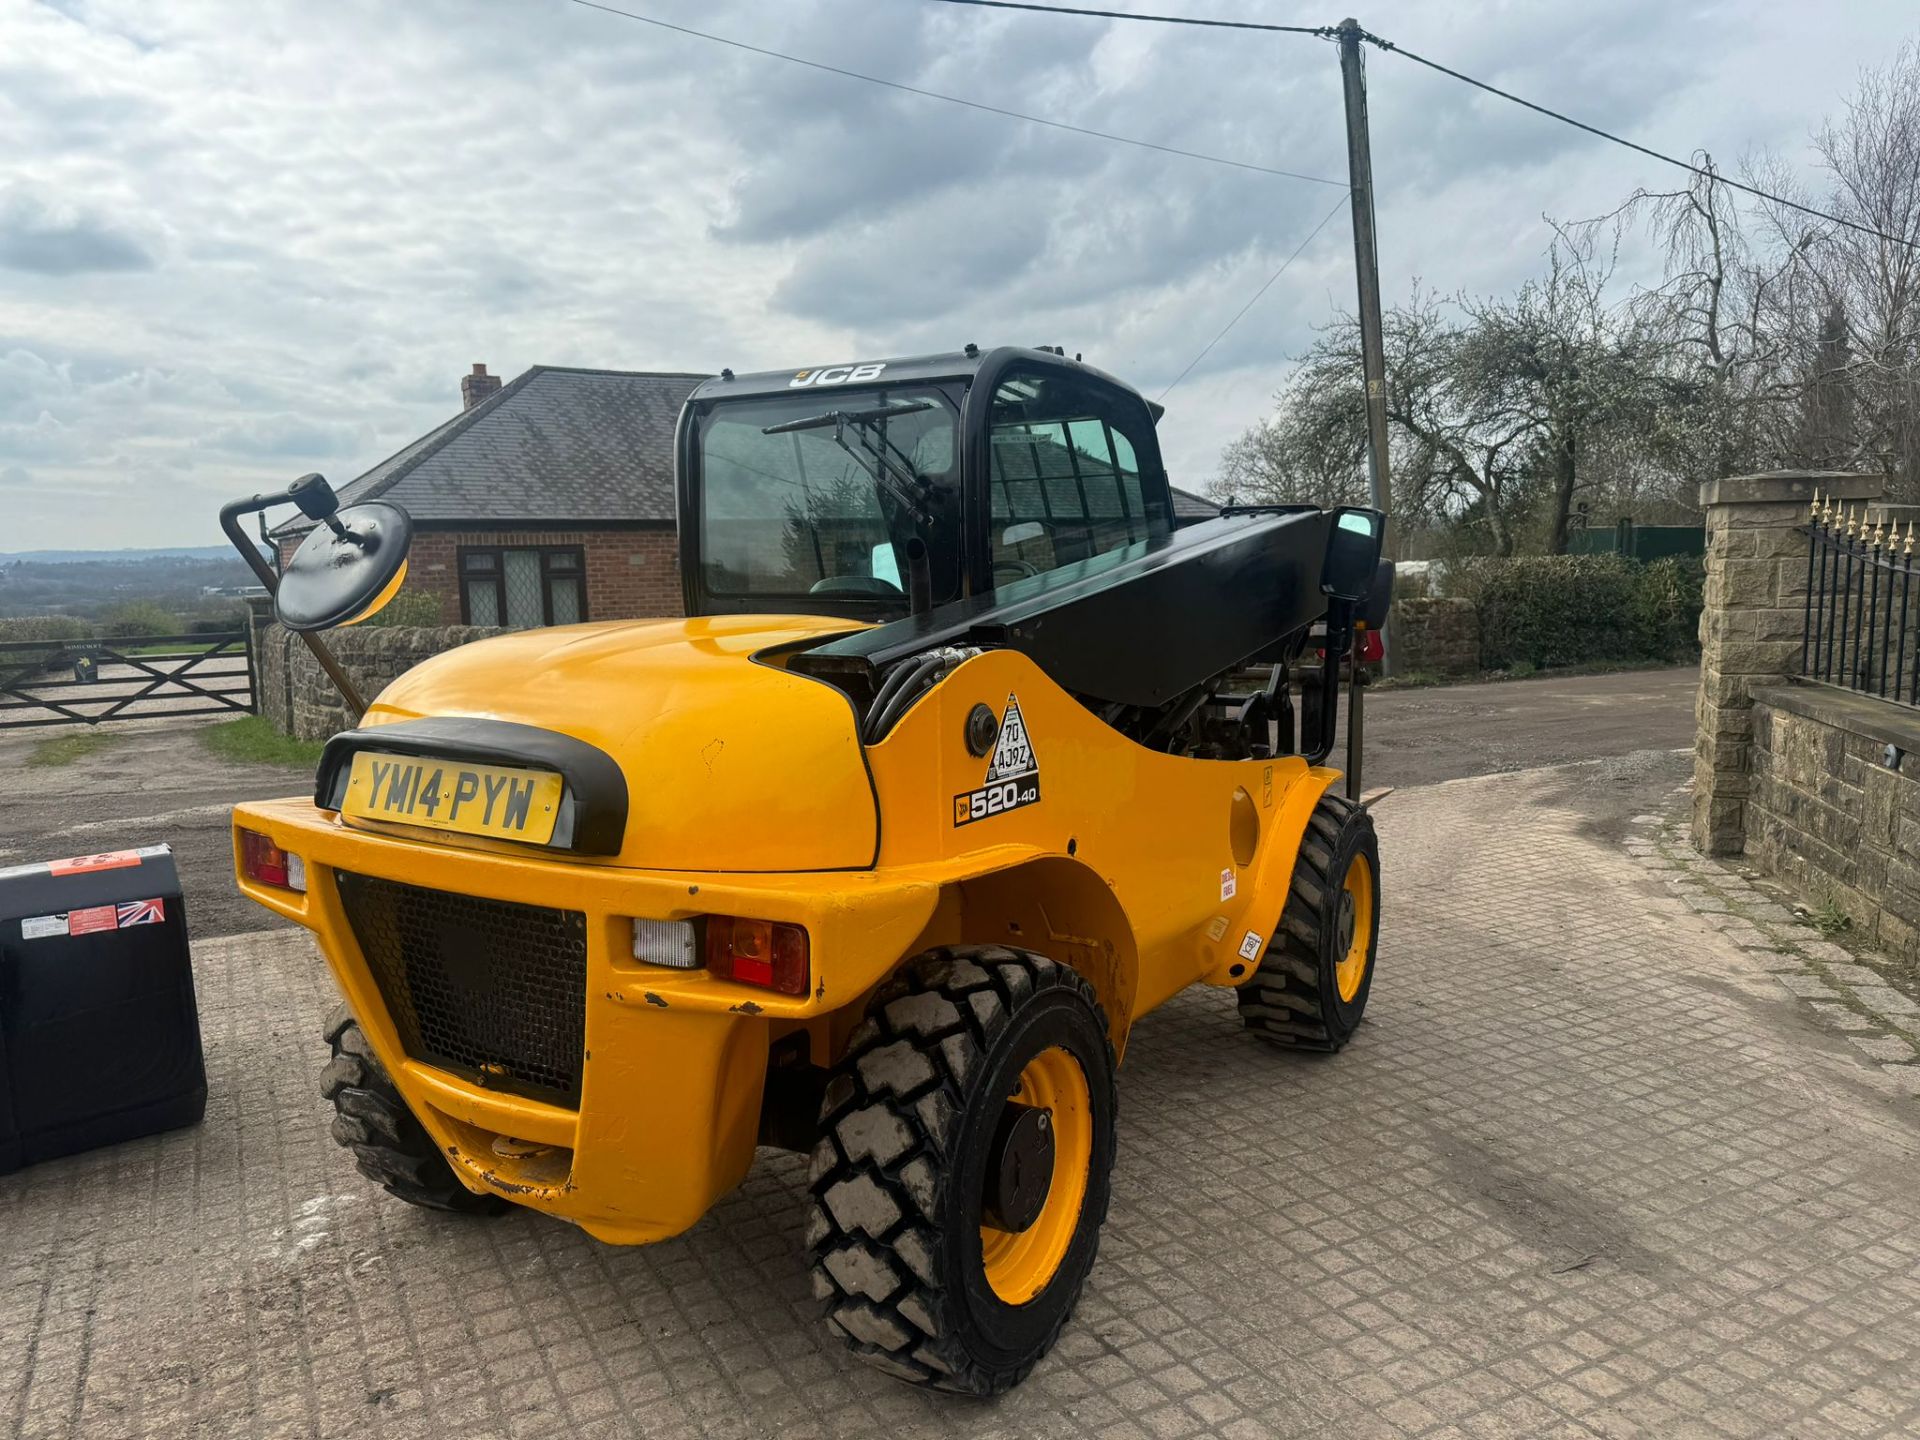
x,y
99,1037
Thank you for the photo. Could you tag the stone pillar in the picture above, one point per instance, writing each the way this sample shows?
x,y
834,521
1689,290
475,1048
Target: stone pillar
x,y
1751,627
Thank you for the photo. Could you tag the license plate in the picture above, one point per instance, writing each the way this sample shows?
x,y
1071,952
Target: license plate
x,y
493,800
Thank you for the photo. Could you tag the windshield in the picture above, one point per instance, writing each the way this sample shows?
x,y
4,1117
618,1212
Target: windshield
x,y
796,513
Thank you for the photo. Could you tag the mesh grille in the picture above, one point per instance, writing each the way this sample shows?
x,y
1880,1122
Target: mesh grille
x,y
492,991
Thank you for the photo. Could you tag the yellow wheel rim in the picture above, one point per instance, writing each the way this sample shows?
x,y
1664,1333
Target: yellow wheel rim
x,y
1020,1266
1355,928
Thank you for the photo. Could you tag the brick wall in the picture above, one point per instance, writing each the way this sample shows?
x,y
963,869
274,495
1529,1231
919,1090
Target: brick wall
x,y
632,573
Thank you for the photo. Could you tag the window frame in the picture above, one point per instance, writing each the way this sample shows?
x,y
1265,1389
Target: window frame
x,y
547,554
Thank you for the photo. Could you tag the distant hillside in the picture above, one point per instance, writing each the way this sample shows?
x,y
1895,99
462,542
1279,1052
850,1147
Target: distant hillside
x,y
186,585
71,557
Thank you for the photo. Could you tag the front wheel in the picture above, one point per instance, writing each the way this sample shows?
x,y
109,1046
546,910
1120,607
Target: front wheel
x,y
962,1174
1312,985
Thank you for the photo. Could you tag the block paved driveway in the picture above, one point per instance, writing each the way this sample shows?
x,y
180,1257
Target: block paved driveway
x,y
1586,1171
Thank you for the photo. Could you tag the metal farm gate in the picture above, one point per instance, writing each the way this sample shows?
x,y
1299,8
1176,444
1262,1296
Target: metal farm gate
x,y
90,682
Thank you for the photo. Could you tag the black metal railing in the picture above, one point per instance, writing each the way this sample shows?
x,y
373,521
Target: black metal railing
x,y
1863,620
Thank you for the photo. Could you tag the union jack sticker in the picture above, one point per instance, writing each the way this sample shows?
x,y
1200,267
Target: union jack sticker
x,y
141,912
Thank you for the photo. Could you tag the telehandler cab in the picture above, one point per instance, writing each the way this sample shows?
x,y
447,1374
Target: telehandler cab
x,y
941,785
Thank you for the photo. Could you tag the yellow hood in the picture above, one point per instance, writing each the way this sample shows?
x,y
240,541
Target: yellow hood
x,y
730,764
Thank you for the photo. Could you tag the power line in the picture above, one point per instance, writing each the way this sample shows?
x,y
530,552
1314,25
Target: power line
x,y
955,99
1256,297
1330,31
1324,32
1702,171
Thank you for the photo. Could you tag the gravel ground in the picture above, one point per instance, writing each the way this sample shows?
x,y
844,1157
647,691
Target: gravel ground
x,y
155,783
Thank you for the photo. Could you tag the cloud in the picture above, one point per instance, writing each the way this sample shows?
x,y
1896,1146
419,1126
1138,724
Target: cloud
x,y
14,477
47,239
232,252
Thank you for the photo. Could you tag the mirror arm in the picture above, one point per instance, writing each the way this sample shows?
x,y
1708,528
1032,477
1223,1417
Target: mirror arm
x,y
230,523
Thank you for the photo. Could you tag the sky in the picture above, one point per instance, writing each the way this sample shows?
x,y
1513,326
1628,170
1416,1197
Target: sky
x,y
242,241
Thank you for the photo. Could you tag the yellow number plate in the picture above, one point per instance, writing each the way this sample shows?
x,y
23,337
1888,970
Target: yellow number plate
x,y
450,795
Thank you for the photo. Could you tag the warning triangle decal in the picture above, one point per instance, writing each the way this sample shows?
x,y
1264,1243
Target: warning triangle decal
x,y
1013,751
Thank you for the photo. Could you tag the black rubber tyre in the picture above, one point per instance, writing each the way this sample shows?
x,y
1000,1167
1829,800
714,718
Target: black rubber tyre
x,y
390,1146
1293,998
907,1124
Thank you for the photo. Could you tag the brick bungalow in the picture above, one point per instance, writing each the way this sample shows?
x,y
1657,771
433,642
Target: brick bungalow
x,y
546,500
550,499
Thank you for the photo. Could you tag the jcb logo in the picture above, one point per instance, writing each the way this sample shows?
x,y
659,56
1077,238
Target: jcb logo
x,y
837,375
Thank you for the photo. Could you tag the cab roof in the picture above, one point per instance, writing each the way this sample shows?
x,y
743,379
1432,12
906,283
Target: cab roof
x,y
950,365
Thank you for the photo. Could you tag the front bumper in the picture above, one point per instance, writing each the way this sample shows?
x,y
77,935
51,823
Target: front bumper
x,y
675,1061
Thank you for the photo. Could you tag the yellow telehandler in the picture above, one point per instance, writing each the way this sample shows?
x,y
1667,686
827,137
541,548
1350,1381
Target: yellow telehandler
x,y
951,773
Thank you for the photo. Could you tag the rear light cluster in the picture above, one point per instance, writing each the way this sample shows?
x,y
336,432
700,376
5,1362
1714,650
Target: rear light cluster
x,y
266,863
763,953
1369,646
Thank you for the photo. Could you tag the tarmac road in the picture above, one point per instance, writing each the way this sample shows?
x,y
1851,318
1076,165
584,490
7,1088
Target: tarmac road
x,y
158,783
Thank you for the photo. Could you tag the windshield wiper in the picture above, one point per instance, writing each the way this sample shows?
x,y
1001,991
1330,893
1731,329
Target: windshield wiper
x,y
889,466
893,471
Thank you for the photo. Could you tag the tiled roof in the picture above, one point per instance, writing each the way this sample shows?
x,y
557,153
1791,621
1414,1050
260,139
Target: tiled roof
x,y
556,445
1188,506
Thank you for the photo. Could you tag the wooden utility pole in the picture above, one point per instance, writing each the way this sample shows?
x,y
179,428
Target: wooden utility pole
x,y
1366,264
1366,260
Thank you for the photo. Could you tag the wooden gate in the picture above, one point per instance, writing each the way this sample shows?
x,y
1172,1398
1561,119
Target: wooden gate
x,y
91,682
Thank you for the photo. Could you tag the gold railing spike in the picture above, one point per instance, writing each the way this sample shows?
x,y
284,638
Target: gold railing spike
x,y
1816,502
1909,549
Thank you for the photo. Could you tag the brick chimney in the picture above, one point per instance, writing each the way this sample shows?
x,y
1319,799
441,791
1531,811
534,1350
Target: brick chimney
x,y
476,387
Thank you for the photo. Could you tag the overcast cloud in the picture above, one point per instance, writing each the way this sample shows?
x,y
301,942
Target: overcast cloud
x,y
241,241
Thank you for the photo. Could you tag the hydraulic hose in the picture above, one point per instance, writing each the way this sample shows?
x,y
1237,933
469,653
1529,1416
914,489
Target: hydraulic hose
x,y
909,680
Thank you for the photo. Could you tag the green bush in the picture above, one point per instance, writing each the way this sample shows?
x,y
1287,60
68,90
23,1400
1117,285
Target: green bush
x,y
56,630
133,619
409,607
1667,607
44,627
1544,610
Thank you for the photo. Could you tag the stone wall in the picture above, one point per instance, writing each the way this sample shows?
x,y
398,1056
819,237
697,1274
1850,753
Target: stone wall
x,y
1434,637
1750,627
1834,806
295,695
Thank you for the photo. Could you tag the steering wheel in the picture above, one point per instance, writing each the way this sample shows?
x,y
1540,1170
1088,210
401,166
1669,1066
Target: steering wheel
x,y
867,585
1021,568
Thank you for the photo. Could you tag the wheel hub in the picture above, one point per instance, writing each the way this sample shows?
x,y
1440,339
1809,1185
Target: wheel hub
x,y
1019,1168
1343,925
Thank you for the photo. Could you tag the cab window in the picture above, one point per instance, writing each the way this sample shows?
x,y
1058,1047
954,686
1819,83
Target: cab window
x,y
1063,475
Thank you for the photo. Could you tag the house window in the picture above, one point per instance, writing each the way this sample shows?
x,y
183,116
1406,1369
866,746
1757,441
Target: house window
x,y
523,586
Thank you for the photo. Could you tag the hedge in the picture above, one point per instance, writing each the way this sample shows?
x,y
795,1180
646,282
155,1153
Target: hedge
x,y
1543,610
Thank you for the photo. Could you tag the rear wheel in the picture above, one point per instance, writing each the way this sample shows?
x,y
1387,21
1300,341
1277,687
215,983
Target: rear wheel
x,y
389,1145
962,1174
1312,985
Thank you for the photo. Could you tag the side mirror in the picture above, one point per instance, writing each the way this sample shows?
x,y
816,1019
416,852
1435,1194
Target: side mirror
x,y
352,564
347,569
1353,553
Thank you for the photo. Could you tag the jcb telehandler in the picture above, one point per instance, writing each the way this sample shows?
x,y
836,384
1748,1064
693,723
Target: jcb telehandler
x,y
878,854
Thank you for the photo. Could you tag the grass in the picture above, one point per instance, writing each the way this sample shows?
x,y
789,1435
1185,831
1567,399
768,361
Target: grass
x,y
66,749
1829,919
252,741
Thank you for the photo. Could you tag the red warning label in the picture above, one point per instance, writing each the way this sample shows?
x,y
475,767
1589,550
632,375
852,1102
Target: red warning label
x,y
94,918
